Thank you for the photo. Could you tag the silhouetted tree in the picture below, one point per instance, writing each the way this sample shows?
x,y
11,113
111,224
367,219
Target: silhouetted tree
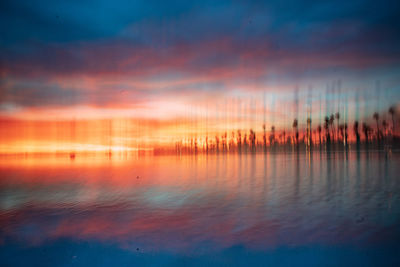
x,y
331,120
309,133
239,140
365,129
295,124
337,116
233,140
264,137
327,132
385,126
378,132
194,143
216,143
356,132
341,131
392,113
272,136
252,137
224,137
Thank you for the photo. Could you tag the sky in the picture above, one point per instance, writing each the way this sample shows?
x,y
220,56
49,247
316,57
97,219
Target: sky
x,y
257,61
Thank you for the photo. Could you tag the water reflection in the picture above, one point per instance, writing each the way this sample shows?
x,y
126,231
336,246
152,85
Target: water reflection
x,y
197,205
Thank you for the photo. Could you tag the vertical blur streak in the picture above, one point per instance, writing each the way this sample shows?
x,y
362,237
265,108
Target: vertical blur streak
x,y
221,125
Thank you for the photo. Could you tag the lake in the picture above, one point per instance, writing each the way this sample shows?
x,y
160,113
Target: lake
x,y
277,209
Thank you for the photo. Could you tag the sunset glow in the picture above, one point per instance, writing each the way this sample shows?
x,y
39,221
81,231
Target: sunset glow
x,y
131,81
199,133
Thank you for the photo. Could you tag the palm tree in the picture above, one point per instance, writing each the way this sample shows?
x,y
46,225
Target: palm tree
x,y
239,140
365,129
309,133
331,120
392,112
224,141
264,137
337,116
328,136
252,137
385,126
376,117
355,128
295,123
341,131
232,141
284,136
272,136
345,134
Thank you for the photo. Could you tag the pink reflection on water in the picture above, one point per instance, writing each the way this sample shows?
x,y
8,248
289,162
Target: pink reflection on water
x,y
189,203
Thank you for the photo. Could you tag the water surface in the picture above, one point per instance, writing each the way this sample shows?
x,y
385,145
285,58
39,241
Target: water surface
x,y
280,209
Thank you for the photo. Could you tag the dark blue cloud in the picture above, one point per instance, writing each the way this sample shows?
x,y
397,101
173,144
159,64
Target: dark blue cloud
x,y
287,38
66,21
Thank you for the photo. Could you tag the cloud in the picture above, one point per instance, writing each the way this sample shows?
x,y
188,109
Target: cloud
x,y
62,53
